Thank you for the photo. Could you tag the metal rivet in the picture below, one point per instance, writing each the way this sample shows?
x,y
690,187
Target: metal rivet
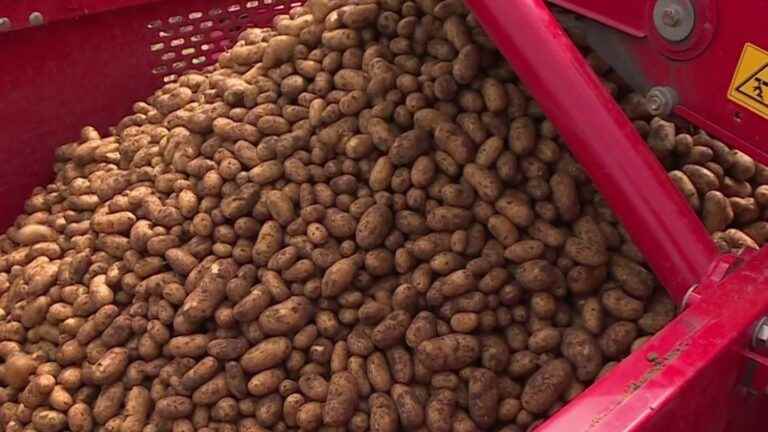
x,y
661,100
36,19
5,24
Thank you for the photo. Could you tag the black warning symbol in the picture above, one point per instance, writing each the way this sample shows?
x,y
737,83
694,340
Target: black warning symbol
x,y
755,86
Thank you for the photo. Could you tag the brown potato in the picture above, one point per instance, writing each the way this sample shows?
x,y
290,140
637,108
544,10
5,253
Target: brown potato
x,y
342,399
286,317
546,386
449,352
268,353
582,350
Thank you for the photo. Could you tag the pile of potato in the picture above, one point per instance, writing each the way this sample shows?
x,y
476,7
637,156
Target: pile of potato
x,y
727,188
357,221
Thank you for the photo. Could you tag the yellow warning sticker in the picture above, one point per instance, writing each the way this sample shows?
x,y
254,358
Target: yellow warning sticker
x,y
749,86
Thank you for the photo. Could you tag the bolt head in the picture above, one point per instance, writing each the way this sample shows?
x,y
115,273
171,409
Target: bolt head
x,y
654,103
761,334
671,16
36,19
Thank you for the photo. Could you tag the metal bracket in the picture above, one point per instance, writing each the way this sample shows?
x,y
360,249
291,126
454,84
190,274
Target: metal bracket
x,y
720,268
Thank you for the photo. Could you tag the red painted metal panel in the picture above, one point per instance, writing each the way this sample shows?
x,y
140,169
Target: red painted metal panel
x,y
88,71
629,16
661,223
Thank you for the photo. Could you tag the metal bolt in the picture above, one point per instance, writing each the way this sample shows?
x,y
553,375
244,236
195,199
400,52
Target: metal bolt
x,y
670,16
760,335
660,100
36,19
5,24
674,19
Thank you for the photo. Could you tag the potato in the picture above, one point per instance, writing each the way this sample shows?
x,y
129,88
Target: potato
x,y
684,185
621,306
702,178
266,382
383,415
266,354
409,146
565,196
546,386
286,317
450,352
174,407
583,351
447,218
342,399
278,50
634,279
49,420
483,397
79,418
536,275
585,252
717,213
617,339
391,329
34,233
373,226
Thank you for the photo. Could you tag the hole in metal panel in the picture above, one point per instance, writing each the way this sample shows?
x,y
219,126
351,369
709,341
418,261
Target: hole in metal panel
x,y
154,24
252,4
206,24
233,8
196,38
206,47
216,34
168,56
157,46
186,28
177,42
188,51
170,78
160,69
195,15
243,17
175,19
179,65
215,11
223,20
165,33
198,60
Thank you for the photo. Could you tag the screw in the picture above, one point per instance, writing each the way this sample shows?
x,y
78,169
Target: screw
x,y
760,335
660,100
671,16
36,19
5,24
